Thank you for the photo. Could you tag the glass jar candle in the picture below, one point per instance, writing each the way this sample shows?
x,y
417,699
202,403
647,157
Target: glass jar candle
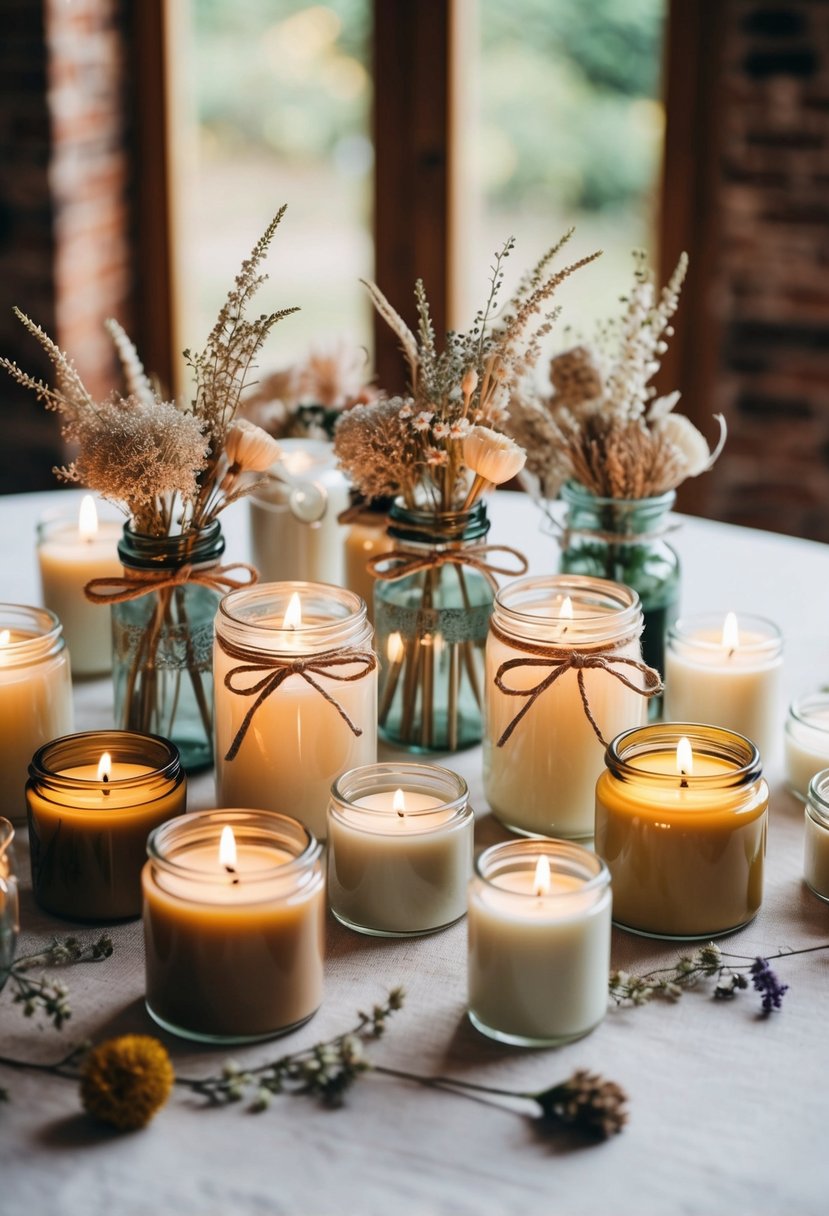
x,y
816,839
725,670
563,666
681,813
296,696
93,799
9,910
806,741
71,550
539,942
234,921
35,696
400,843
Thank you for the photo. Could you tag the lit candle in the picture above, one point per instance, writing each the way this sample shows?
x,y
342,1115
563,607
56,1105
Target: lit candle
x,y
806,741
726,672
539,942
681,817
549,639
295,532
816,838
93,798
35,696
234,920
399,859
69,554
296,696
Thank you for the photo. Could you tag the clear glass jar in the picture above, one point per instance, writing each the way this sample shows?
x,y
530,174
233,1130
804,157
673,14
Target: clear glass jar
x,y
234,940
35,696
431,631
540,770
163,641
683,833
806,741
306,729
816,838
9,907
89,822
539,942
623,540
400,844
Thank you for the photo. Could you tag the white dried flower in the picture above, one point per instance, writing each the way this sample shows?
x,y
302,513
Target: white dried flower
x,y
436,457
460,428
423,420
493,456
690,443
440,430
249,449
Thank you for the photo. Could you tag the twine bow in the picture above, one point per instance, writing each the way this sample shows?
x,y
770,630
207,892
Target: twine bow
x,y
560,661
277,669
119,588
407,562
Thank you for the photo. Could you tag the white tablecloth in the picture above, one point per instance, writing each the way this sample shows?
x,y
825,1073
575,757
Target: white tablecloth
x,y
728,1110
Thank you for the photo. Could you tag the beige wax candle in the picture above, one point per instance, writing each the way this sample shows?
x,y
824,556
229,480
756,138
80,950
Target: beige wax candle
x,y
682,828
93,799
297,739
539,942
725,671
69,554
363,541
816,838
806,741
541,779
233,925
400,858
35,696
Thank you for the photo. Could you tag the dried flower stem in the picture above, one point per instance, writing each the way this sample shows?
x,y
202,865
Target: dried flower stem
x,y
51,996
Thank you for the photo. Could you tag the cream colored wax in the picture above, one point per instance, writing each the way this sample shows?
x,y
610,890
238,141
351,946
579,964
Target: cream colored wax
x,y
806,742
35,703
816,837
233,955
70,555
538,964
399,873
363,542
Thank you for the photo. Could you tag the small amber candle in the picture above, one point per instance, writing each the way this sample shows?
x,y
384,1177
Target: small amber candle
x,y
681,813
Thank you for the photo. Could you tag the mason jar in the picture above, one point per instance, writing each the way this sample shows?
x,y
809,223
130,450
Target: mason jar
x,y
816,839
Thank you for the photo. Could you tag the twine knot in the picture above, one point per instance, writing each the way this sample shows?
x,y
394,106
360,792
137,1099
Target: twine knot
x,y
405,562
131,586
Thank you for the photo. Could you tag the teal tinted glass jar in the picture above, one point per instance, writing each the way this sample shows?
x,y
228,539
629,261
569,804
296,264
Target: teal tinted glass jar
x,y
431,623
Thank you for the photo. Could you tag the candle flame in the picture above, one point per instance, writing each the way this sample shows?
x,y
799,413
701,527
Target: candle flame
x,y
5,637
684,757
105,767
395,648
566,609
398,803
227,849
293,613
541,883
88,518
730,632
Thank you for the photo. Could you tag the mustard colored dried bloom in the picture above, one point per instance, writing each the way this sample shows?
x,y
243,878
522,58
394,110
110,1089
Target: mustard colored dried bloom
x,y
126,1080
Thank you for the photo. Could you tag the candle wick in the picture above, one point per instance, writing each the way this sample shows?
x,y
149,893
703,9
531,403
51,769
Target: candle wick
x,y
731,653
683,785
232,870
105,779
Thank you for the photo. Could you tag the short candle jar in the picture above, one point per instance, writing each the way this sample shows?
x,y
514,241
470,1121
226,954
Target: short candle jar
x,y
400,844
681,814
816,839
725,670
283,736
234,922
35,695
806,741
93,799
542,755
539,942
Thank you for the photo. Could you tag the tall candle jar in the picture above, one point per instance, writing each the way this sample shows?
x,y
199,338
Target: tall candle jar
x,y
400,843
35,696
539,942
563,667
816,839
234,940
93,798
681,820
806,741
9,910
366,537
296,696
431,615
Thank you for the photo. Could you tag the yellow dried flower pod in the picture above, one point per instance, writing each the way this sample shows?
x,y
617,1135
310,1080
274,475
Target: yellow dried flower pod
x,y
126,1080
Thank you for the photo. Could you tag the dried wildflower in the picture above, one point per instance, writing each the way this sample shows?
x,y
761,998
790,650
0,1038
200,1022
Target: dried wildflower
x,y
51,997
576,377
249,449
766,982
125,1081
378,449
492,456
586,1103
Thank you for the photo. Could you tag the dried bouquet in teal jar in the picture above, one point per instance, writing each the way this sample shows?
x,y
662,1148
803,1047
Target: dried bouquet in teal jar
x,y
172,468
615,452
435,452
